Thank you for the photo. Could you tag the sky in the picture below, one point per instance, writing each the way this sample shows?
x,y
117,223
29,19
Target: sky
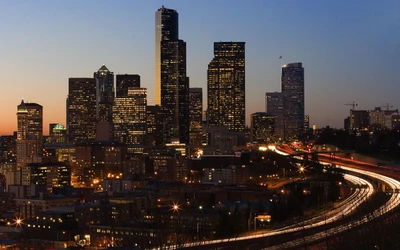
x,y
349,49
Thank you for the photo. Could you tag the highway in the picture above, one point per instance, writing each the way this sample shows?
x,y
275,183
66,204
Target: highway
x,y
392,203
340,210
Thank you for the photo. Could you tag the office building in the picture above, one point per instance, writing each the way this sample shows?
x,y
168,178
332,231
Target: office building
x,y
359,119
293,100
274,106
172,84
58,133
8,148
81,109
104,94
226,86
166,30
29,133
262,127
158,126
129,117
196,115
124,82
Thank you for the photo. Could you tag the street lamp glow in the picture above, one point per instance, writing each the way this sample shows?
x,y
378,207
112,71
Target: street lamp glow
x,y
301,169
175,207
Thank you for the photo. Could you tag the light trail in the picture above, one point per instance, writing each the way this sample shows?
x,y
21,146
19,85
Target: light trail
x,y
392,203
342,209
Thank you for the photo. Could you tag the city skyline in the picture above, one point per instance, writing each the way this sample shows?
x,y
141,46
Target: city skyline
x,y
350,57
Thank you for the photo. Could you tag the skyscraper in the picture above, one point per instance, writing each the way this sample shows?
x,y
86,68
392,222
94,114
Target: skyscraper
x,y
129,117
81,109
166,30
293,100
172,84
29,135
195,114
158,126
104,94
30,121
274,106
226,86
124,82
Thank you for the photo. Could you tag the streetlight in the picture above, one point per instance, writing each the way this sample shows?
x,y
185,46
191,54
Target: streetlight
x,y
175,207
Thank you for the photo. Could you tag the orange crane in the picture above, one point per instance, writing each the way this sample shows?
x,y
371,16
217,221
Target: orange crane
x,y
353,104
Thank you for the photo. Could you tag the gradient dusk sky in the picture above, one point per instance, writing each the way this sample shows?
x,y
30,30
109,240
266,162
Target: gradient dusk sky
x,y
350,49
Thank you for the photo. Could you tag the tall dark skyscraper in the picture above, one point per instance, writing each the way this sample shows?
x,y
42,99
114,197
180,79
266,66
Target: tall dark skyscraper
x,y
81,109
124,82
226,86
158,126
172,84
274,106
195,114
293,100
104,94
167,29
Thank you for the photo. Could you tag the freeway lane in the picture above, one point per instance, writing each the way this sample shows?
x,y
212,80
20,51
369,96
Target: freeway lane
x,y
341,209
392,203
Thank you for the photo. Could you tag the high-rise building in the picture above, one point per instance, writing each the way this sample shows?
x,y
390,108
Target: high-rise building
x,y
196,114
58,133
166,30
293,100
29,133
81,109
274,106
226,86
104,94
158,126
124,82
129,117
262,127
30,121
172,84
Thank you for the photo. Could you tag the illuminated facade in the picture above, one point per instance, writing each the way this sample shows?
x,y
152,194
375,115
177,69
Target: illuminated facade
x,y
129,117
293,100
175,87
274,106
262,127
29,133
196,115
104,94
50,175
124,82
58,133
81,109
166,30
226,86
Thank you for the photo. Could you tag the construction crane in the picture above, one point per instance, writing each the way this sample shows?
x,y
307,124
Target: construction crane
x,y
387,106
353,104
